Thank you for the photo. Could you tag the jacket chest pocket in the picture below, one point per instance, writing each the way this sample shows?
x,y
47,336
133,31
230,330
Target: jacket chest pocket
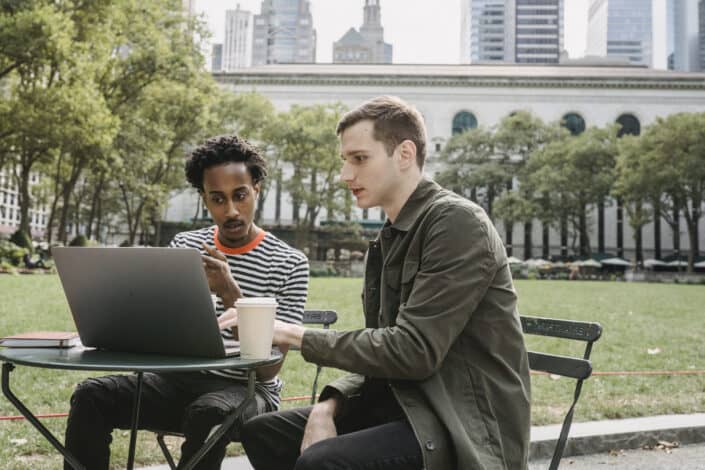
x,y
398,283
408,276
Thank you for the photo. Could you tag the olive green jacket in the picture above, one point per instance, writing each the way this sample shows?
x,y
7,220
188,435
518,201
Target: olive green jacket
x,y
442,327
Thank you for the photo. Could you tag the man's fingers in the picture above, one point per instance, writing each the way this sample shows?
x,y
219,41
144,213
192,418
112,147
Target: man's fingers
x,y
213,251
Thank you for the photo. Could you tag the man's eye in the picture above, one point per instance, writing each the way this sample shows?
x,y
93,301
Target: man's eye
x,y
217,199
359,158
240,196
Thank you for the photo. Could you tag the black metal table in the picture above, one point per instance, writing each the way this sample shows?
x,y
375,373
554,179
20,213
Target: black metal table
x,y
91,359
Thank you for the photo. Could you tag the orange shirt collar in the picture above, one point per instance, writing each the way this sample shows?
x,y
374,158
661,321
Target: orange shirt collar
x,y
241,249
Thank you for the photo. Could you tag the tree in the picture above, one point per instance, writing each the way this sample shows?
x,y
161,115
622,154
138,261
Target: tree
x,y
34,104
305,138
471,168
517,137
577,172
671,167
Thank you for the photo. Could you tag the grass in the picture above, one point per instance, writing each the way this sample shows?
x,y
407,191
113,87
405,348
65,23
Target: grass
x,y
635,317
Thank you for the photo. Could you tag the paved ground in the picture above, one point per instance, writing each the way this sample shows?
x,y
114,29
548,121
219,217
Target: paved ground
x,y
602,440
690,457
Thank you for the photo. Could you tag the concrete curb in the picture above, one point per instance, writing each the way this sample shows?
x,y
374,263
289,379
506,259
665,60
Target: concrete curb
x,y
592,437
595,437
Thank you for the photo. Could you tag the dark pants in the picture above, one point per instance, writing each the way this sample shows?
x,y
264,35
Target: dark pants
x,y
190,403
366,440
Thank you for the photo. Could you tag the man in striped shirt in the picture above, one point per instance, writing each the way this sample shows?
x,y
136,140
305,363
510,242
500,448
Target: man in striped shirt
x,y
240,260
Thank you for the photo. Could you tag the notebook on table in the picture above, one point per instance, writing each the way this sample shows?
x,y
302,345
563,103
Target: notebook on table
x,y
143,300
41,339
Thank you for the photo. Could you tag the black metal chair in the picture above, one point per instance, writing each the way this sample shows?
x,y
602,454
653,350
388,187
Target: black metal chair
x,y
566,366
311,317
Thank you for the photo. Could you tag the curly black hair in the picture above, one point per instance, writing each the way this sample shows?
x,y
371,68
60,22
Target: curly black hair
x,y
220,150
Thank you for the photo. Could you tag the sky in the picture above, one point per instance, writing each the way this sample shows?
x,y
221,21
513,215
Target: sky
x,y
421,31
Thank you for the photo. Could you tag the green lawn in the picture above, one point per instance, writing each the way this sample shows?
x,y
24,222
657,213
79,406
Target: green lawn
x,y
635,317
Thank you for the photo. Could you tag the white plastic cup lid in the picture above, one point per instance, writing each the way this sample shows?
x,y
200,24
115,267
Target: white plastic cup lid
x,y
256,302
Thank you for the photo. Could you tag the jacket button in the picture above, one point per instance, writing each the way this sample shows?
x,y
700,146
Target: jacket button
x,y
430,445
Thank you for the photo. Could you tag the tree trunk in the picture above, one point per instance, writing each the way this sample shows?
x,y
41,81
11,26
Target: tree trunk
x,y
528,227
584,237
676,231
638,236
564,236
657,230
278,199
693,238
509,233
99,220
545,235
620,229
63,217
55,201
95,201
601,227
25,200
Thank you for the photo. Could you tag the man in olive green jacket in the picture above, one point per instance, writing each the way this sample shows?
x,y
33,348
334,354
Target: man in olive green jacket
x,y
440,371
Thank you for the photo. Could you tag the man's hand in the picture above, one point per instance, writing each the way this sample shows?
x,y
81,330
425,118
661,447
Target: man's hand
x,y
285,334
228,319
320,424
220,279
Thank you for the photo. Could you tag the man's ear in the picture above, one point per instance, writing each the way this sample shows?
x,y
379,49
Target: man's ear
x,y
407,154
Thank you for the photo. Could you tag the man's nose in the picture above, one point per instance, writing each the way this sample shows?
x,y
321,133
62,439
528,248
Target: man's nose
x,y
346,173
231,208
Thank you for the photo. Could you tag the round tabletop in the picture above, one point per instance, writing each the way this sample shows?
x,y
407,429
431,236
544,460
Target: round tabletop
x,y
79,358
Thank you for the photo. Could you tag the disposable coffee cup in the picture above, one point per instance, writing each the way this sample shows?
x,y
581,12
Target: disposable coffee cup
x,y
255,325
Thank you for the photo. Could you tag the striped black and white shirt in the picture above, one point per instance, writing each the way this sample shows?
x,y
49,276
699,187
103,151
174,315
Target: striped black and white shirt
x,y
265,267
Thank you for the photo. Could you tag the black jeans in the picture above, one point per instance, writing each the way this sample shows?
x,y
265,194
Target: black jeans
x,y
366,440
190,403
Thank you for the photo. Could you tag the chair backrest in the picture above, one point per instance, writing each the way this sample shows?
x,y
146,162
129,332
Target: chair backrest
x,y
319,317
566,366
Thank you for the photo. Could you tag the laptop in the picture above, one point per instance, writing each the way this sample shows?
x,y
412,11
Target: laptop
x,y
142,300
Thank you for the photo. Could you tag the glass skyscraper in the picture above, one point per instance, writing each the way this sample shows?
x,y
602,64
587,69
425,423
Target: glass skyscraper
x,y
283,33
621,28
701,14
539,31
512,31
682,35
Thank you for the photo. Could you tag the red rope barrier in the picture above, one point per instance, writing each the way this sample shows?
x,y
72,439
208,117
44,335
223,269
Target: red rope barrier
x,y
533,372
636,372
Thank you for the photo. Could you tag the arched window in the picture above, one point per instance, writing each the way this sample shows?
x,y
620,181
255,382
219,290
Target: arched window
x,y
463,121
574,123
629,125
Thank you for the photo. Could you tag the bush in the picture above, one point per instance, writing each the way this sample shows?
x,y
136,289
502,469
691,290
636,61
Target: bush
x,y
11,253
7,267
80,240
22,239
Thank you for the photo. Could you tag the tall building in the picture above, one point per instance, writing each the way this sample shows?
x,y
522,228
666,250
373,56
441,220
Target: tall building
x,y
367,45
682,35
217,58
701,15
621,29
484,35
237,47
10,205
512,31
283,33
539,31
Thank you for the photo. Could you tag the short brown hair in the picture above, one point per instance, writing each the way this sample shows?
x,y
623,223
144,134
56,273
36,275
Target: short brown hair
x,y
394,122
